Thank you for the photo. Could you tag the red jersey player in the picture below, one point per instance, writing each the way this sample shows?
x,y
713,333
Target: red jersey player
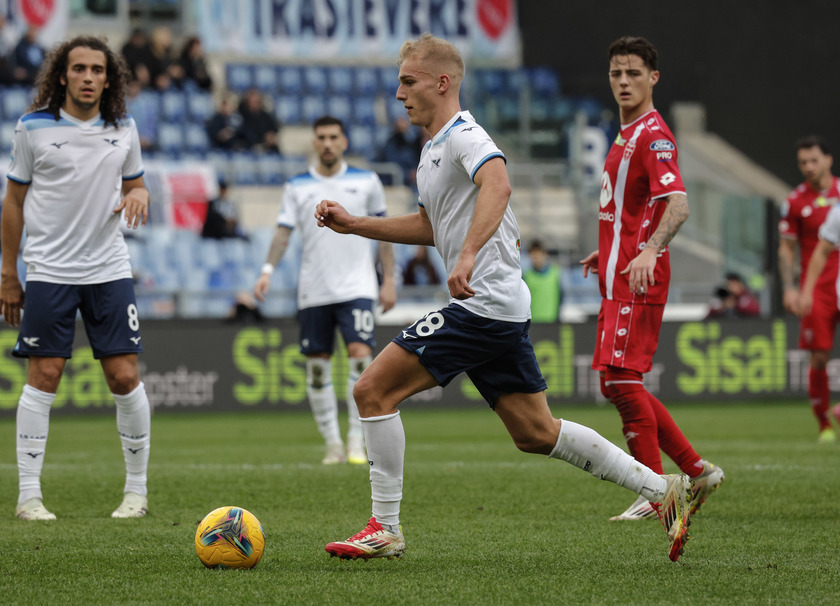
x,y
642,206
802,214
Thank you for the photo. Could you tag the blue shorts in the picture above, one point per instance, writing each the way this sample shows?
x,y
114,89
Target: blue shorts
x,y
497,356
354,320
108,310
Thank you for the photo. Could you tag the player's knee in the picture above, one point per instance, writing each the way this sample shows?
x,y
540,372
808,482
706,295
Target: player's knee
x,y
123,381
318,372
46,377
538,443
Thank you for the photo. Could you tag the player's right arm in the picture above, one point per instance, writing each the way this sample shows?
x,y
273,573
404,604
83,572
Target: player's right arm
x,y
816,265
275,253
11,232
407,229
787,260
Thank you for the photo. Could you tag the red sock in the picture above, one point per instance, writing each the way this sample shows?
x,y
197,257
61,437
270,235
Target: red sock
x,y
625,390
820,396
672,440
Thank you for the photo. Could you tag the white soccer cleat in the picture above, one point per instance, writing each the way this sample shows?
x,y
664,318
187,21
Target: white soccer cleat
x,y
674,513
641,509
372,542
133,506
334,455
705,484
33,509
356,452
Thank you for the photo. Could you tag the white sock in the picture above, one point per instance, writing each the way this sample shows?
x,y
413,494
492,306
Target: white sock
x,y
33,426
322,400
385,439
134,427
357,365
588,450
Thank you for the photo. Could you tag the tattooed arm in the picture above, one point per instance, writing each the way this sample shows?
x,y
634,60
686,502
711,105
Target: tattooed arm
x,y
639,271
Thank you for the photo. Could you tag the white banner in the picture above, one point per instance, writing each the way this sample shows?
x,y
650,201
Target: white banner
x,y
370,30
50,16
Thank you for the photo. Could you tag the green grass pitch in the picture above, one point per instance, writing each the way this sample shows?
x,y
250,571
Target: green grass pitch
x,y
484,523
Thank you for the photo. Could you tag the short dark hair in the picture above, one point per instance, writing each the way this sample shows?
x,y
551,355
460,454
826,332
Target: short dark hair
x,y
635,45
732,275
810,141
329,121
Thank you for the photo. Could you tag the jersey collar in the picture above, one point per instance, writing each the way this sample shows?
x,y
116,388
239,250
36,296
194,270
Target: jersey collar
x,y
83,123
462,116
642,117
340,173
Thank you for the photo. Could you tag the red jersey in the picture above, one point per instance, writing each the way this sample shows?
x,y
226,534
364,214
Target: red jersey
x,y
802,214
640,171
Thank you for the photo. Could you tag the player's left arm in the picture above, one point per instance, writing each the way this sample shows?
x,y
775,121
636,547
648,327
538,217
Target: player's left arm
x,y
388,290
135,202
493,197
641,269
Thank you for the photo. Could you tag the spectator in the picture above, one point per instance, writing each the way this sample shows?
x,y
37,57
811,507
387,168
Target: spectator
x,y
419,271
143,107
734,300
543,280
259,129
28,56
138,55
164,69
8,42
194,64
403,147
223,126
222,219
244,310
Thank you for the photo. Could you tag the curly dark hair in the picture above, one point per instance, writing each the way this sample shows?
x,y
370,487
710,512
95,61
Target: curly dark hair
x,y
52,93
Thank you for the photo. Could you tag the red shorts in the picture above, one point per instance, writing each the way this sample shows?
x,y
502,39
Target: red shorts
x,y
628,335
816,330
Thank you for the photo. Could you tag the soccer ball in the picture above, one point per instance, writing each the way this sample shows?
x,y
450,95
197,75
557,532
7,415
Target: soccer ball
x,y
229,537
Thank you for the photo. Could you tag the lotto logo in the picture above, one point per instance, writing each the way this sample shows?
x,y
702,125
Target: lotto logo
x,y
624,310
622,332
645,223
667,179
618,354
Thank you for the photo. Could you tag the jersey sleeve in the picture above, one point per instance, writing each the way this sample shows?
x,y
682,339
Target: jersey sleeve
x,y
789,220
20,169
830,229
287,217
133,165
376,197
660,157
473,147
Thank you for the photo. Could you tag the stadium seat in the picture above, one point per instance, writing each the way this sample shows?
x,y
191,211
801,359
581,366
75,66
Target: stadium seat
x,y
170,138
362,141
15,102
389,81
265,78
245,169
315,79
364,111
270,169
173,106
367,82
290,80
239,76
339,106
7,135
200,106
196,140
312,108
544,81
340,80
287,109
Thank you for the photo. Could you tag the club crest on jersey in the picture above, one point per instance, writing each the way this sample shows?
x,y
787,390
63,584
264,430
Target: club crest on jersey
x,y
629,149
662,145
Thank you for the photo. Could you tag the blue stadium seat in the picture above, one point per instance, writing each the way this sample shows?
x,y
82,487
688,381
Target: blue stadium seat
x,y
265,78
395,109
291,80
490,81
340,80
7,135
364,111
312,108
389,80
173,106
270,169
239,76
245,169
544,81
200,105
170,137
196,139
367,81
287,109
315,79
339,106
362,141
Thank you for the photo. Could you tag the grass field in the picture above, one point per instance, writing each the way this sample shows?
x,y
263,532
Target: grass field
x,y
484,523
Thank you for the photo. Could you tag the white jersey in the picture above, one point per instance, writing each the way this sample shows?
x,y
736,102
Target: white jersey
x,y
830,231
75,170
334,267
445,181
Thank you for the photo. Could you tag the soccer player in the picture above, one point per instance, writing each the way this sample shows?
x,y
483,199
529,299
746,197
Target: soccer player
x,y
802,213
338,283
464,212
76,168
642,206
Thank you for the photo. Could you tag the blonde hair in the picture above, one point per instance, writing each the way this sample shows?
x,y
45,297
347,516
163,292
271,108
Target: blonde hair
x,y
439,55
